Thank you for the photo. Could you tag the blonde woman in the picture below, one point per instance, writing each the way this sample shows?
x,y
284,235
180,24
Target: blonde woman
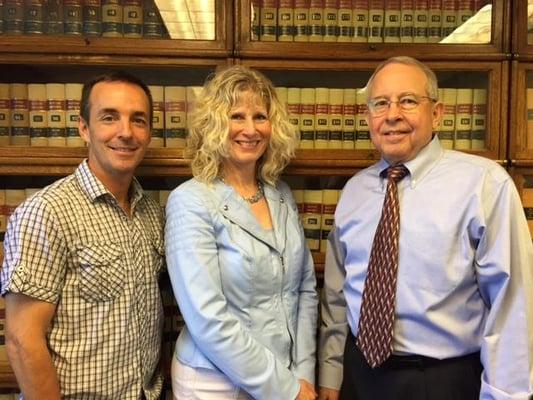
x,y
237,258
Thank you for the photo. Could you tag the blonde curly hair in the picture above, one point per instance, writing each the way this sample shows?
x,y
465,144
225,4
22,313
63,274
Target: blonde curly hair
x,y
208,140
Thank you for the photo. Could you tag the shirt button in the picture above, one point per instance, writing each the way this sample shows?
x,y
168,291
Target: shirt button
x,y
225,208
281,200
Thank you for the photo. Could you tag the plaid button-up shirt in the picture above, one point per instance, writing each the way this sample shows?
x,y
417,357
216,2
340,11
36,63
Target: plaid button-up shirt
x,y
72,245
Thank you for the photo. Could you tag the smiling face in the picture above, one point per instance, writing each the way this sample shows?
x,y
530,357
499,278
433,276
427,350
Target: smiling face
x,y
400,135
118,131
249,132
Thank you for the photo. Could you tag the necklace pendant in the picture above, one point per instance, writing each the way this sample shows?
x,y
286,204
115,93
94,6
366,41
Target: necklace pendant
x,y
257,196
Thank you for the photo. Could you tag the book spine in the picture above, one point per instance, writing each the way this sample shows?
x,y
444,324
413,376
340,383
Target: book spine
x,y
307,118
5,114
316,20
301,20
92,18
133,18
349,109
312,218
14,17
158,116
362,133
392,22
269,20
360,20
434,21
298,196
294,107
112,16
479,119
330,197
447,131
255,23
463,119
420,31
152,22
335,113
38,114
73,17
55,97
286,21
331,27
376,14
465,11
529,133
54,18
345,21
321,118
449,22
192,93
72,112
14,198
282,93
407,21
20,120
175,116
34,17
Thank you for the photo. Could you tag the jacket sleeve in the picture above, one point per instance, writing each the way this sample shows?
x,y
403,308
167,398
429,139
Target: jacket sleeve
x,y
192,260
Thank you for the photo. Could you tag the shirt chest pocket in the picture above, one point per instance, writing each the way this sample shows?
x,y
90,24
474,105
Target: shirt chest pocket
x,y
101,273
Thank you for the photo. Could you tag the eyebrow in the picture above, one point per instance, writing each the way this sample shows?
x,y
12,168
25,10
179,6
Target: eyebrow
x,y
115,111
400,95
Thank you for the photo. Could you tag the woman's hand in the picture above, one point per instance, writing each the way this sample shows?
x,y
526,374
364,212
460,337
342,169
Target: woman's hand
x,y
307,391
328,394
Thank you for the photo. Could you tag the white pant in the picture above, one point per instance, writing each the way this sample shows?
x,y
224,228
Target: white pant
x,y
202,384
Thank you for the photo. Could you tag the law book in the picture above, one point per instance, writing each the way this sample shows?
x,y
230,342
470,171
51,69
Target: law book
x,y
158,116
376,20
448,96
420,30
307,118
72,112
112,16
335,114
463,119
362,133
294,108
5,114
56,106
407,8
312,218
29,192
301,20
38,114
392,21
529,104
175,116
331,27
465,11
54,18
286,21
345,21
20,119
92,18
330,198
73,17
152,22
14,198
527,202
282,93
349,108
269,20
34,17
132,18
321,118
316,20
14,17
360,20
434,21
192,93
298,195
255,15
479,118
449,21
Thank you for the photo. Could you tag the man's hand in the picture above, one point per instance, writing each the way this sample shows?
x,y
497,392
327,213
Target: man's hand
x,y
307,391
328,394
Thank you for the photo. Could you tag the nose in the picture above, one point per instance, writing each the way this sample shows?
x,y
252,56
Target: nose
x,y
394,111
125,129
248,126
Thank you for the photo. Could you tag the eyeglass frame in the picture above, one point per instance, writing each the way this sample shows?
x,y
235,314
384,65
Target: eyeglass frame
x,y
418,99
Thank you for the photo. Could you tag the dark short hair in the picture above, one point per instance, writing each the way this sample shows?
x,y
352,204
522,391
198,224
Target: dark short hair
x,y
115,76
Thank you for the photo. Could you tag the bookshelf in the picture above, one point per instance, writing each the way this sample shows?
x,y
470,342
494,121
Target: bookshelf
x,y
503,67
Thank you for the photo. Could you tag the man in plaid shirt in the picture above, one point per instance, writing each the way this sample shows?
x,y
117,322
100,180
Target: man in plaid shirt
x,y
82,259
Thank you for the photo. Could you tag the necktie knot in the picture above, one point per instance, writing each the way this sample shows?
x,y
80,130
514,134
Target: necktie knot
x,y
397,172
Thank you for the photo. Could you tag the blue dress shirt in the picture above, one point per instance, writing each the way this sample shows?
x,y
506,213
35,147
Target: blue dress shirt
x,y
249,302
465,279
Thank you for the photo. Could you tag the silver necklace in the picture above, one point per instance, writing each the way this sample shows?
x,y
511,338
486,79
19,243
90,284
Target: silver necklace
x,y
255,197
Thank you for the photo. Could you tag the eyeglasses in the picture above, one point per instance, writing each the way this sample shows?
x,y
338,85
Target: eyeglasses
x,y
407,103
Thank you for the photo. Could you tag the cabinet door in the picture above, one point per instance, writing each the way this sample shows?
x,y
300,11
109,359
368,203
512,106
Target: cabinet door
x,y
371,29
522,29
524,181
521,113
141,27
473,92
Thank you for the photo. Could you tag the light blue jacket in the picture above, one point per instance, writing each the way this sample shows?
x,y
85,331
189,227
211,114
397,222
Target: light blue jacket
x,y
249,301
